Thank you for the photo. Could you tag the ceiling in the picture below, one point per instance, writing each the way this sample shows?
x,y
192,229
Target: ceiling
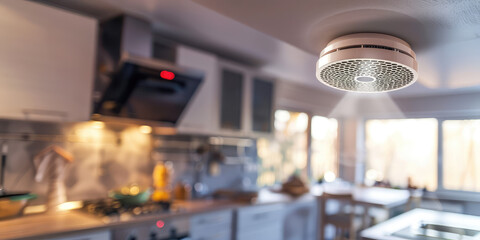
x,y
190,23
284,37
445,34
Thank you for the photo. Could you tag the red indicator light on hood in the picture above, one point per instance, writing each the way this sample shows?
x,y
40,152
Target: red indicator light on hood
x,y
167,75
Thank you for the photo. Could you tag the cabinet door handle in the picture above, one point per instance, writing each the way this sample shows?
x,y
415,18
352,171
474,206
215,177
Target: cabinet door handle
x,y
213,237
29,112
260,215
211,220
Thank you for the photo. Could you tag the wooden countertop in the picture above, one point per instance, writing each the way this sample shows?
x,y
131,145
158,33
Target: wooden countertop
x,y
38,226
45,226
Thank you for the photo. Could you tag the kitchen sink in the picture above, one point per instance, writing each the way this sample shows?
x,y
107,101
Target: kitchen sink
x,y
432,231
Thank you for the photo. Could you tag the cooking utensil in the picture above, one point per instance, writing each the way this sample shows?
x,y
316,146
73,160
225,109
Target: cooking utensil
x,y
12,205
50,165
3,193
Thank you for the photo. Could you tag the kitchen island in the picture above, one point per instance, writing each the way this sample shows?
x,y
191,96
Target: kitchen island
x,y
421,224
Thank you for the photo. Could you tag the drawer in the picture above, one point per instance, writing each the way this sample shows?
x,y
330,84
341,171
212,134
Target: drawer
x,y
219,234
272,232
259,216
209,223
99,235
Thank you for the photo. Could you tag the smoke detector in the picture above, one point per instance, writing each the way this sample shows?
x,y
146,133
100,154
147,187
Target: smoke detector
x,y
367,62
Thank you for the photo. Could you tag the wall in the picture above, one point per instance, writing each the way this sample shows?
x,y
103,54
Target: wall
x,y
352,109
435,105
300,97
107,157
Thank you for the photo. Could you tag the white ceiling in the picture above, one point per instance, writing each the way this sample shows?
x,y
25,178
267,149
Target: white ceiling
x,y
285,36
194,24
445,34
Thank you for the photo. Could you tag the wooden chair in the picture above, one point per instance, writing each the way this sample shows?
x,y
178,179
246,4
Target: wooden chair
x,y
343,221
415,199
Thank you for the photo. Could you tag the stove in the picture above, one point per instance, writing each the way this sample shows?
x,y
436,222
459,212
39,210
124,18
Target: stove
x,y
153,227
110,210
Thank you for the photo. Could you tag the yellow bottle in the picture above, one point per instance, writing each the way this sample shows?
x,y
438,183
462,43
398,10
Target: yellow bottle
x,y
161,183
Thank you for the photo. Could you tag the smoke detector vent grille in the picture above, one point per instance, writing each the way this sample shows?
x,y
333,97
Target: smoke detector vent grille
x,y
388,76
365,66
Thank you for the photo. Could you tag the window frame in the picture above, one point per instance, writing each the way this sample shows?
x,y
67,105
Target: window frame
x,y
441,189
308,131
441,192
339,145
340,132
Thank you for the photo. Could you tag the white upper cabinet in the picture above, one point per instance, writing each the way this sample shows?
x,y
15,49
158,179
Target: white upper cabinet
x,y
247,101
233,104
233,100
260,222
47,60
202,113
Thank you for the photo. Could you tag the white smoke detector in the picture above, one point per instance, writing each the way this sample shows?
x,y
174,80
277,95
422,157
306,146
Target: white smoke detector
x,y
367,62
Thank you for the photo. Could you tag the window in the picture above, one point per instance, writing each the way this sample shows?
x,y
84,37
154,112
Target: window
x,y
461,155
324,158
399,151
287,153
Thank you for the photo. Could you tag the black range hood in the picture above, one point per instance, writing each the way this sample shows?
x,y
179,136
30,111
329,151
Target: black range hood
x,y
131,84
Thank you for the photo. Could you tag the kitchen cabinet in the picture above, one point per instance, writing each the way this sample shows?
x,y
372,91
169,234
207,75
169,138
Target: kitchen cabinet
x,y
235,92
212,226
47,62
247,101
301,219
231,99
260,222
262,105
97,235
425,224
201,114
170,228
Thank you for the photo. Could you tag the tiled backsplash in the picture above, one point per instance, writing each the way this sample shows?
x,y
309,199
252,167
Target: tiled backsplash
x,y
109,156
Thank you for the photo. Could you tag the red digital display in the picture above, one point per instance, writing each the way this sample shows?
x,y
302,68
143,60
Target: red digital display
x,y
167,75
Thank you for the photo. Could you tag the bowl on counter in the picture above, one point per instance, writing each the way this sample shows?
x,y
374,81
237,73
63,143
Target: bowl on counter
x,y
131,196
12,205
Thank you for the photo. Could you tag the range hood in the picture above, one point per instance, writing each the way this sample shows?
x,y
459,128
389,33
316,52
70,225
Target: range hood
x,y
131,85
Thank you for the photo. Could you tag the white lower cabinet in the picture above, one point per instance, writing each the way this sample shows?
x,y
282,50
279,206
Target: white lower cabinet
x,y
212,226
301,220
97,235
272,232
262,222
